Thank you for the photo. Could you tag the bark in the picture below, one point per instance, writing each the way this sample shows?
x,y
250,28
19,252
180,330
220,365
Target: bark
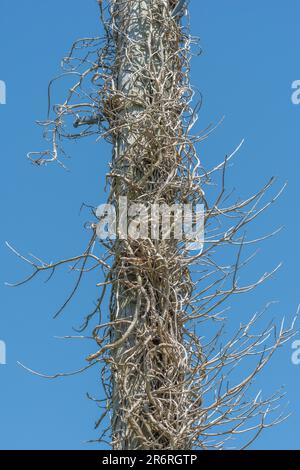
x,y
145,70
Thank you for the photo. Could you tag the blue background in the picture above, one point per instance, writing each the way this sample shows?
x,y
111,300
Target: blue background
x,y
250,58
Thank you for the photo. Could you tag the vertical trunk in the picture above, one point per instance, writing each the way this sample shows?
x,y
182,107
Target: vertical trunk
x,y
149,364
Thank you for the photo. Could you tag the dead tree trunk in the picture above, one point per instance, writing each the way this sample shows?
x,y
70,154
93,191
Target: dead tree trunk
x,y
148,368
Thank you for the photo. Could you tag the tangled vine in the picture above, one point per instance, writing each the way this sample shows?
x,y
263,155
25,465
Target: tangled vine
x,y
171,381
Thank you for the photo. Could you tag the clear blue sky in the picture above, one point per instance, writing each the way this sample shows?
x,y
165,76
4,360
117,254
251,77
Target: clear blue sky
x,y
250,58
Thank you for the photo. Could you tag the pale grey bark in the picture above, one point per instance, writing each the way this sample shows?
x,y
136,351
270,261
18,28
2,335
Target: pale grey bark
x,y
131,36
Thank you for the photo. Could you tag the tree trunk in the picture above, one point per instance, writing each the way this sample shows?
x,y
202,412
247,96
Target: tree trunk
x,y
148,367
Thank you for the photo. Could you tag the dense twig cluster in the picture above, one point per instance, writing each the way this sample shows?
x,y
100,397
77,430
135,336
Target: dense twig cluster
x,y
166,387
